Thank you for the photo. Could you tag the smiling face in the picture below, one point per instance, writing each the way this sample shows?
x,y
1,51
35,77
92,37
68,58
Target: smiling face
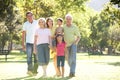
x,y
49,22
68,20
59,39
29,17
59,22
42,23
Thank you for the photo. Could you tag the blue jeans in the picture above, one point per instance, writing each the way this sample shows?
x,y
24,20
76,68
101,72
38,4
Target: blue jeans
x,y
72,50
29,51
43,53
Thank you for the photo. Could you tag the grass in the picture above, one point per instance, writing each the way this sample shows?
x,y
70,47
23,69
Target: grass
x,y
21,56
92,67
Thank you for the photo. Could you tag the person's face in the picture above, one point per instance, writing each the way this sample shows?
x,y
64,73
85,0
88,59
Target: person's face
x,y
29,17
68,20
59,22
59,38
41,23
50,23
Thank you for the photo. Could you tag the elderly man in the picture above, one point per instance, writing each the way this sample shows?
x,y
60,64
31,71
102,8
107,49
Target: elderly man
x,y
72,37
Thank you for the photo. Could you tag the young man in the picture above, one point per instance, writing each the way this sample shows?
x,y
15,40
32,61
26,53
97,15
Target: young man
x,y
29,28
71,37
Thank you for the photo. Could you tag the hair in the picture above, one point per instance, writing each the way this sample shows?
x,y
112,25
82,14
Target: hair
x,y
29,12
68,15
49,18
60,19
43,19
58,36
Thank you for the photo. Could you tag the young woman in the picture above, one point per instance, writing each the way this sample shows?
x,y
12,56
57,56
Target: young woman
x,y
41,44
49,23
60,49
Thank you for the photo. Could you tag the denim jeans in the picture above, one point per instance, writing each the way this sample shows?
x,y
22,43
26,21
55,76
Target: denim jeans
x,y
72,50
43,54
29,51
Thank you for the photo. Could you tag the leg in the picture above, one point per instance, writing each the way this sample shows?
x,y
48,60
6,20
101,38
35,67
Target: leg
x,y
58,65
29,57
35,64
62,64
55,64
73,57
44,70
63,71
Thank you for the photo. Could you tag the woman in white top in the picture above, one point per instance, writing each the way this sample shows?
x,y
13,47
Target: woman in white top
x,y
41,44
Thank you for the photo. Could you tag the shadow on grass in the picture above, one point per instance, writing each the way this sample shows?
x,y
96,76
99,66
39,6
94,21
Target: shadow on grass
x,y
114,63
109,63
41,78
13,61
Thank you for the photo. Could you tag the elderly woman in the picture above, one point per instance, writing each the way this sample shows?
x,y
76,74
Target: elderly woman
x,y
41,44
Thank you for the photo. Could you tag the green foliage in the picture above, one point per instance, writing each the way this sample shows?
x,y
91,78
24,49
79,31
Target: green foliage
x,y
116,2
10,21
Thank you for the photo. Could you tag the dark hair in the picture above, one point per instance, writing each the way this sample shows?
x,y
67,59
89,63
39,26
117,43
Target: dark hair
x,y
29,12
58,36
49,18
60,19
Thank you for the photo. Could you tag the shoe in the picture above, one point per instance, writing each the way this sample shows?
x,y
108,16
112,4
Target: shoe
x,y
30,73
35,73
62,76
71,75
44,76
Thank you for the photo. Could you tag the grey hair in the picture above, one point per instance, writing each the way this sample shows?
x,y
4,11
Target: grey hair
x,y
68,15
43,19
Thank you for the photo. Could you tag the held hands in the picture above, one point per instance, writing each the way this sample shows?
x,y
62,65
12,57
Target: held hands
x,y
34,51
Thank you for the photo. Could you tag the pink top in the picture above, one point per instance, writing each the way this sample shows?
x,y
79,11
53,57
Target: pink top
x,y
60,49
43,35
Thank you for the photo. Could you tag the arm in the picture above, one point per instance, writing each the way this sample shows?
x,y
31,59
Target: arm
x,y
35,44
77,40
77,33
23,39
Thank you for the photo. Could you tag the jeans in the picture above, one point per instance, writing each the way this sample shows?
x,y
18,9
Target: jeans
x,y
29,51
72,50
43,54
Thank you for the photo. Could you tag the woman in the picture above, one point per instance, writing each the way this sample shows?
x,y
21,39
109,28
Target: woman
x,y
49,23
41,44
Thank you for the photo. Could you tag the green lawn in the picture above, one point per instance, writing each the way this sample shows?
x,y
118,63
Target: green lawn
x,y
89,67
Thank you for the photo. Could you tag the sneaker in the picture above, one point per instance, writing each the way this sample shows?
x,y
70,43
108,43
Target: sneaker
x,y
30,73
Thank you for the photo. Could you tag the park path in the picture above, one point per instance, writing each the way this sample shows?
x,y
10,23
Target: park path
x,y
85,70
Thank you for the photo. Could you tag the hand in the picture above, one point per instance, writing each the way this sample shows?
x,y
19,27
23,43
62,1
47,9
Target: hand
x,y
24,48
34,51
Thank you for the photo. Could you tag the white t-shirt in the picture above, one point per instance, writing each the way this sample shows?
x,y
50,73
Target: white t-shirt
x,y
43,35
30,29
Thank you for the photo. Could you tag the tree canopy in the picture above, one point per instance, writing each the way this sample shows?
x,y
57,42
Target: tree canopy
x,y
98,29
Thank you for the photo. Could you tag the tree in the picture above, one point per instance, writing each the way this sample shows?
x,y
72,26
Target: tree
x,y
116,2
10,21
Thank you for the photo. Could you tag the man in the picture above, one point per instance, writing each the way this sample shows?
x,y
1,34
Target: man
x,y
72,37
29,28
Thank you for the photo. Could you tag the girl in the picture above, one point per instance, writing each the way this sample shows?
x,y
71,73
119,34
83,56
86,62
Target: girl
x,y
60,49
42,41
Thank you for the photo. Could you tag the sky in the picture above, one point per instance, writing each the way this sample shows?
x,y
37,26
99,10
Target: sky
x,y
97,5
